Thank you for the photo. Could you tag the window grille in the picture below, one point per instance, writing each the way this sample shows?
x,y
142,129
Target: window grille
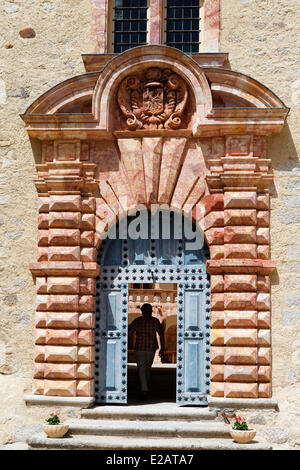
x,y
183,24
130,24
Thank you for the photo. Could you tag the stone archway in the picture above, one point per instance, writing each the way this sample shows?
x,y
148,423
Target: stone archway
x,y
94,169
152,259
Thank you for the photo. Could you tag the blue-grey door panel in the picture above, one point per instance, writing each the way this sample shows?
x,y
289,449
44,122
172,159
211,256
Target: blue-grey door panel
x,y
111,366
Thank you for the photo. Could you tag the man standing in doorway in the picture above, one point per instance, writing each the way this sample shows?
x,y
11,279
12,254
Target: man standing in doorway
x,y
146,344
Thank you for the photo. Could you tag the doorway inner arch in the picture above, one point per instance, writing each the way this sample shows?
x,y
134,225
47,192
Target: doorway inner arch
x,y
171,260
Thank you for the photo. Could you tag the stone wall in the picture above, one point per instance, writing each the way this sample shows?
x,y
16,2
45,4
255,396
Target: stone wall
x,y
261,38
28,67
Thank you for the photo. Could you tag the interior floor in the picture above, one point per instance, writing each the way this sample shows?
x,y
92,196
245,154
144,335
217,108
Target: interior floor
x,y
162,383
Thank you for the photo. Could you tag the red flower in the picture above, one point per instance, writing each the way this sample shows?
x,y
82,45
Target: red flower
x,y
51,414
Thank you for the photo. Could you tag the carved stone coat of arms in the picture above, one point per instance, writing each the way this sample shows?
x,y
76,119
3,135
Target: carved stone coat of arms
x,y
155,101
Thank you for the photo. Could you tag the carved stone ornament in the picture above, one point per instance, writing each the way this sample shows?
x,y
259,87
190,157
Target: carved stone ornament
x,y
156,101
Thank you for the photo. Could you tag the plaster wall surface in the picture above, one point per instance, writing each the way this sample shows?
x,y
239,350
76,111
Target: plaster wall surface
x,y
262,39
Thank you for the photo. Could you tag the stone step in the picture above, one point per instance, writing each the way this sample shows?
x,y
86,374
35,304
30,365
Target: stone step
x,y
80,442
150,428
149,411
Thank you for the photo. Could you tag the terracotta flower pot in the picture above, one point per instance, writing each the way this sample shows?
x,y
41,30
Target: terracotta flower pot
x,y
243,437
56,430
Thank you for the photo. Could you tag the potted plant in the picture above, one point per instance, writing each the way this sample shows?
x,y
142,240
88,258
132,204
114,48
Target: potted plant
x,y
240,431
54,428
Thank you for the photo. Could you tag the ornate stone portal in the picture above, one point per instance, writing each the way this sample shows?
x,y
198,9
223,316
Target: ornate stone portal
x,y
155,101
90,166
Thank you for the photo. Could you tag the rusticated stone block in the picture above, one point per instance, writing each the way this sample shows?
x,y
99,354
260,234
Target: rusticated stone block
x,y
240,251
217,389
264,356
62,320
215,236
240,301
240,282
263,236
264,390
213,202
217,373
217,283
86,320
86,303
237,355
41,302
88,222
64,253
214,219
217,319
263,301
60,353
264,320
240,200
86,337
237,234
41,285
42,254
60,371
240,337
87,238
263,218
85,388
217,301
240,319
264,374
40,319
217,355
216,251
40,336
39,353
86,354
240,390
264,338
263,252
64,237
217,337
43,221
64,219
85,371
64,202
88,254
43,204
60,388
239,217
88,204
87,286
263,201
63,285
39,368
62,337
240,373
38,387
43,236
62,303
263,283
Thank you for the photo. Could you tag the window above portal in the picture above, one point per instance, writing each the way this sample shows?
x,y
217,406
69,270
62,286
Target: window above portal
x,y
191,26
129,24
182,25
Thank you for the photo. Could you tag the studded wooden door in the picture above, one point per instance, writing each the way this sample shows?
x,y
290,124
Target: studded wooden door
x,y
152,261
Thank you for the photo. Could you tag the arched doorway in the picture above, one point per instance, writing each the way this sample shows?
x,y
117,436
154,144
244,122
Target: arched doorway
x,y
171,260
